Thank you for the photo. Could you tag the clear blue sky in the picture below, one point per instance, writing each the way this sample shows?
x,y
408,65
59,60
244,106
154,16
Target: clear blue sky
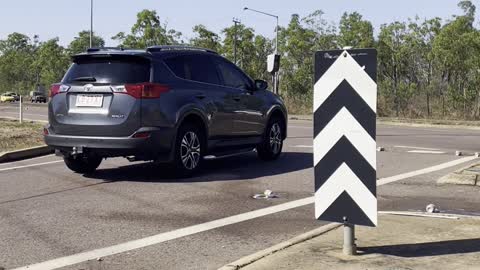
x,y
65,18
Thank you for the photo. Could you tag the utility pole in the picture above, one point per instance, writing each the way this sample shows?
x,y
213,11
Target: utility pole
x,y
91,23
236,22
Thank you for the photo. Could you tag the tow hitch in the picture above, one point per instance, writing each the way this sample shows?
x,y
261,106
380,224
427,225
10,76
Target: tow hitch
x,y
77,150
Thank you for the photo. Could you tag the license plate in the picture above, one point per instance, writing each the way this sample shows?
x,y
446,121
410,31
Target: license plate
x,y
89,100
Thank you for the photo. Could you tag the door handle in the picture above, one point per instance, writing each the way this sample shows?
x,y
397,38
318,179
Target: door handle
x,y
236,98
201,96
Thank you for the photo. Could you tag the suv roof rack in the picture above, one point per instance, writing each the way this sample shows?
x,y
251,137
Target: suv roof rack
x,y
90,50
153,49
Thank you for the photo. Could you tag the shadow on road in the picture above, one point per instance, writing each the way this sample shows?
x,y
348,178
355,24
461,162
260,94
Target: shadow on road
x,y
426,249
242,167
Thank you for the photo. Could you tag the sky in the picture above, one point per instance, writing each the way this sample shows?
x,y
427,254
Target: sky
x,y
65,18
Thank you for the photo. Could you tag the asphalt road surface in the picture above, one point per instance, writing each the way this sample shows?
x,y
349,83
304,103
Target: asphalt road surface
x,y
31,111
148,221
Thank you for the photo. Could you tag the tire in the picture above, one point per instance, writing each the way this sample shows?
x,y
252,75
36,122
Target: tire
x,y
82,164
271,147
189,150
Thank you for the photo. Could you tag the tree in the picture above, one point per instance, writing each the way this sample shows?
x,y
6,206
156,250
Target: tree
x,y
355,32
148,31
297,43
244,39
16,56
325,33
205,38
15,42
392,65
82,42
456,49
51,62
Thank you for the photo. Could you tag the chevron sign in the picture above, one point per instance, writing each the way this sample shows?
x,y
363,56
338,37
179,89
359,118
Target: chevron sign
x,y
345,105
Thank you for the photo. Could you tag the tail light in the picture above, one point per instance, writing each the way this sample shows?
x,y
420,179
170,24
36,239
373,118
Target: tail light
x,y
58,88
142,90
45,131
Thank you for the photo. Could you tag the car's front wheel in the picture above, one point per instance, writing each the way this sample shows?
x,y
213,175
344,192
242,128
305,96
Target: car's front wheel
x,y
271,146
82,164
189,150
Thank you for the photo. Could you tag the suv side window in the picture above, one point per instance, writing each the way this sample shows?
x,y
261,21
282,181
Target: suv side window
x,y
232,76
193,67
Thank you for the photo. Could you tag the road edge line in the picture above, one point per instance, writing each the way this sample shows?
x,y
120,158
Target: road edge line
x,y
249,259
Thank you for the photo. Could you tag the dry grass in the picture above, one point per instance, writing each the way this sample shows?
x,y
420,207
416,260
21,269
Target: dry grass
x,y
433,122
14,136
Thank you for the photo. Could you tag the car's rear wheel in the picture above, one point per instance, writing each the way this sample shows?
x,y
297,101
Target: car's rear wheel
x,y
189,150
82,164
272,144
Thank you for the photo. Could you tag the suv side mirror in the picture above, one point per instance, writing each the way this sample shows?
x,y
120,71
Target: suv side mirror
x,y
261,85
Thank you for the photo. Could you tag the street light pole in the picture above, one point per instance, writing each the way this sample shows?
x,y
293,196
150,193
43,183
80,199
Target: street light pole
x,y
91,23
275,75
271,15
276,38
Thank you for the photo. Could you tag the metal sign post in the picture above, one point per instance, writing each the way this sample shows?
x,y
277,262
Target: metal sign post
x,y
349,246
345,105
20,116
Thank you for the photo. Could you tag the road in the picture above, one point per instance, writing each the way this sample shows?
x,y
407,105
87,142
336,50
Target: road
x,y
31,111
47,212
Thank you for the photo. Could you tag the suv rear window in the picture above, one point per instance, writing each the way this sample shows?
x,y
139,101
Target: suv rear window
x,y
108,71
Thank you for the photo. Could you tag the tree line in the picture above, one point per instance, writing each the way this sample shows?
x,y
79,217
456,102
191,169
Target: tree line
x,y
426,67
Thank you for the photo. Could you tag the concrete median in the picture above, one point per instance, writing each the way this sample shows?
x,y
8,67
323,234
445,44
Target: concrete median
x,y
25,153
425,243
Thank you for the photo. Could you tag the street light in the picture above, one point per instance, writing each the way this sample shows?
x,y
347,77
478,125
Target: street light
x,y
271,15
276,57
91,23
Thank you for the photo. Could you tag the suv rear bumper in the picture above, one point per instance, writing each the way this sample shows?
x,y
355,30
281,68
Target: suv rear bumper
x,y
158,146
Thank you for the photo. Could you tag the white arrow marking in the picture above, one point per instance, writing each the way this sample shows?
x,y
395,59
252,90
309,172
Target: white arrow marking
x,y
345,68
345,180
344,124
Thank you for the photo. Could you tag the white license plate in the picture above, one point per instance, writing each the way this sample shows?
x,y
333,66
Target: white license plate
x,y
89,100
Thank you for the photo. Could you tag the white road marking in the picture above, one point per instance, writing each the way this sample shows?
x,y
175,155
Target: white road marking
x,y
167,236
439,167
425,152
303,146
31,165
415,147
300,127
163,237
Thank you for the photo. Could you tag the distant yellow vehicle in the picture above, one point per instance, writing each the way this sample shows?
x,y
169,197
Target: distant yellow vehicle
x,y
7,97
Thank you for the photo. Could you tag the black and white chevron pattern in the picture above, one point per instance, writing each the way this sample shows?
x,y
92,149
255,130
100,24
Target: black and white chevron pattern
x,y
345,105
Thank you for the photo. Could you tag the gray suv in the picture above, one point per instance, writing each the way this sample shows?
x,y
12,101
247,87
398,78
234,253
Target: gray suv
x,y
169,104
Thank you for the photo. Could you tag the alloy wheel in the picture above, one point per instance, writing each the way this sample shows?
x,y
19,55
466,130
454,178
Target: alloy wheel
x,y
275,138
190,150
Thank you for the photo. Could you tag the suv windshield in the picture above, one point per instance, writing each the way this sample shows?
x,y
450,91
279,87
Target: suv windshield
x,y
108,71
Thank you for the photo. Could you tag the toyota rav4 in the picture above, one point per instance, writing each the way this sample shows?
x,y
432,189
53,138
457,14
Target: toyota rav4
x,y
169,104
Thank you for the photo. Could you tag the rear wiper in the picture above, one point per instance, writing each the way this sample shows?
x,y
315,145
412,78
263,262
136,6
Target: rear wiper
x,y
84,79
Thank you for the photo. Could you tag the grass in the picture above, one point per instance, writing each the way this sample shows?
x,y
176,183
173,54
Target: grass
x,y
15,136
